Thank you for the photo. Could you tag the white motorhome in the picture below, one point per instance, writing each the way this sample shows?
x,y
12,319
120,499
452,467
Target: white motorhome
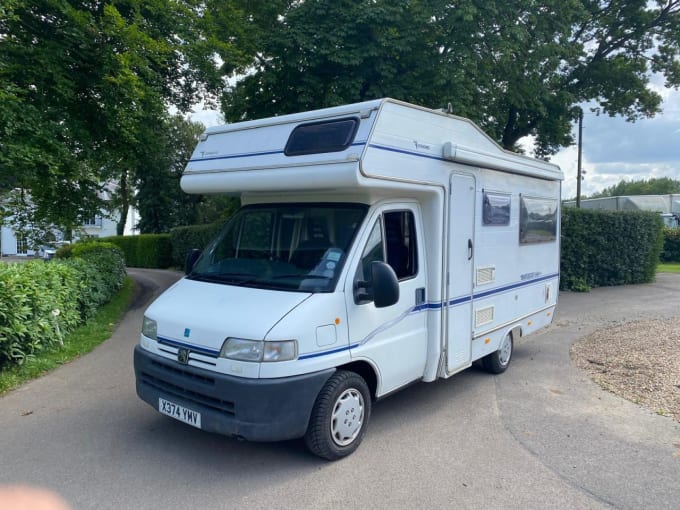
x,y
379,244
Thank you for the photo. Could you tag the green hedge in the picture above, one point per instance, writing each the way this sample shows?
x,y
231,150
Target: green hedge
x,y
602,248
41,302
145,250
185,239
671,245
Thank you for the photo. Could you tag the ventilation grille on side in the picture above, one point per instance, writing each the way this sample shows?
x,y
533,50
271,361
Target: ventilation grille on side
x,y
483,316
486,275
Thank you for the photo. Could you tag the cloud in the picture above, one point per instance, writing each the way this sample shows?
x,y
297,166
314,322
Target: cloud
x,y
613,140
207,117
615,150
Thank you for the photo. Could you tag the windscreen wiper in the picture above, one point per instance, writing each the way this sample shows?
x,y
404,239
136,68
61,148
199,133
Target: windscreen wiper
x,y
231,278
300,275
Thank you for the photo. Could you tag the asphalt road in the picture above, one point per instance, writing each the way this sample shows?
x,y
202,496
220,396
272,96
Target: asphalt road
x,y
539,436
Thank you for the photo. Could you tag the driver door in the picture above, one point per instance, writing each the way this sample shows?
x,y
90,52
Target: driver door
x,y
393,339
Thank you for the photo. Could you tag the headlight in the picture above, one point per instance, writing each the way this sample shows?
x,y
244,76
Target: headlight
x,y
240,349
257,350
285,350
150,328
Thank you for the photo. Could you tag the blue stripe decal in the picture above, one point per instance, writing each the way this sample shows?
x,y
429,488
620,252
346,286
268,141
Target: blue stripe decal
x,y
233,156
452,302
427,306
325,353
402,151
500,290
193,348
255,154
416,309
459,301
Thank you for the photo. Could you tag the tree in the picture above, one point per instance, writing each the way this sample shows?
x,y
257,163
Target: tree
x,y
327,52
161,203
517,68
653,186
80,82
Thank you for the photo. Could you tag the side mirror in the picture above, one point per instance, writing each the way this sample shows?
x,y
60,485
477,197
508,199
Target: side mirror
x,y
382,289
191,259
385,284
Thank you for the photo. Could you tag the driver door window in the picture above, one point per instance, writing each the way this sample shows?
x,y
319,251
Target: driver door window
x,y
392,240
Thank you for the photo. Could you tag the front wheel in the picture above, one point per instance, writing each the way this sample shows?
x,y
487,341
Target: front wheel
x,y
497,362
339,417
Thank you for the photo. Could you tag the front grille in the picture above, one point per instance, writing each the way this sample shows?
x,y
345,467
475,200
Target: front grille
x,y
193,356
161,383
183,373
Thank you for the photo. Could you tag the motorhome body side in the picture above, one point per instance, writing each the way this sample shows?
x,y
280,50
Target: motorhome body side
x,y
407,246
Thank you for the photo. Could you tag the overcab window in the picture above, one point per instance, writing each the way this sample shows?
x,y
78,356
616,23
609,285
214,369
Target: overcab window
x,y
319,137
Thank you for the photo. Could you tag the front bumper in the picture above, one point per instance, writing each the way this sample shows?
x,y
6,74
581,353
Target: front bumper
x,y
252,409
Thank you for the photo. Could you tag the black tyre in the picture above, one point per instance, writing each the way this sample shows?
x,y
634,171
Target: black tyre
x,y
339,417
497,362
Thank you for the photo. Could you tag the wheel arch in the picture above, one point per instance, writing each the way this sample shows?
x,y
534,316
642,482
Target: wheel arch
x,y
365,370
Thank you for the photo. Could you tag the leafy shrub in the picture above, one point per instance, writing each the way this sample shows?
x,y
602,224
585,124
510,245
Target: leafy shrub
x,y
41,302
145,250
185,239
38,305
671,245
602,248
64,252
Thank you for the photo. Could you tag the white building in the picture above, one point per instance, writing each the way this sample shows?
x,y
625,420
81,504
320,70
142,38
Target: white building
x,y
12,243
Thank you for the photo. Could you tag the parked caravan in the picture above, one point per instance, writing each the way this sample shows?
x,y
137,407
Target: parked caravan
x,y
378,244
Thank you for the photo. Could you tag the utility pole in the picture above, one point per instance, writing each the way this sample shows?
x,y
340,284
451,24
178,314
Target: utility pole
x,y
580,147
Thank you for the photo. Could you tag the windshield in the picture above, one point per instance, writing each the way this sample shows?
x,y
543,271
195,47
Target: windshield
x,y
298,247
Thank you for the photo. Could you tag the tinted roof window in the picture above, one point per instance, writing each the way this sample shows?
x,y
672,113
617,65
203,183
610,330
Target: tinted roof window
x,y
318,137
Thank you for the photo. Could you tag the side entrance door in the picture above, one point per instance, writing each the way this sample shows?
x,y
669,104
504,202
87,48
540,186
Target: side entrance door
x,y
461,252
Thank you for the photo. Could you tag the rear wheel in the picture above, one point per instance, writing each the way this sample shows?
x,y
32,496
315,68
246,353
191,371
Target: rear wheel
x,y
497,362
339,417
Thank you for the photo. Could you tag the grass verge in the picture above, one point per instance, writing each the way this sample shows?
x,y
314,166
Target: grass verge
x,y
80,341
668,268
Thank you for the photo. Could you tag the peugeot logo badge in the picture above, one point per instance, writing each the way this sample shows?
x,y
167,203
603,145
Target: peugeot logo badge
x,y
183,356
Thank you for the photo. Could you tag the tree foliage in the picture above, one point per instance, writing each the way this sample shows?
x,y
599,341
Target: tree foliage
x,y
85,85
159,199
653,186
517,68
81,83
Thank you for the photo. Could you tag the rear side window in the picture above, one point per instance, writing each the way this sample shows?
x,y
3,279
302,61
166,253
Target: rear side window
x,y
496,209
537,220
319,137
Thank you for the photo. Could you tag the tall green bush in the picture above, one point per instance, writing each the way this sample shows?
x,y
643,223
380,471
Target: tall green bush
x,y
185,239
602,248
671,245
41,302
145,250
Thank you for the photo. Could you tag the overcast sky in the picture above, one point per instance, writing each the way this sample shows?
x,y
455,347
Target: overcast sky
x,y
613,149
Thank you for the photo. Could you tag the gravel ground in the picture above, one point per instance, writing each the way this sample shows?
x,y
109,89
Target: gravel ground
x,y
639,361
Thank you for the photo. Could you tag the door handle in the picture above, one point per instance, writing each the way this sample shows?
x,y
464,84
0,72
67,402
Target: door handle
x,y
420,296
469,249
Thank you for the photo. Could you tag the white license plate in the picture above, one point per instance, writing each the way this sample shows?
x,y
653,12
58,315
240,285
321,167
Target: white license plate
x,y
179,412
